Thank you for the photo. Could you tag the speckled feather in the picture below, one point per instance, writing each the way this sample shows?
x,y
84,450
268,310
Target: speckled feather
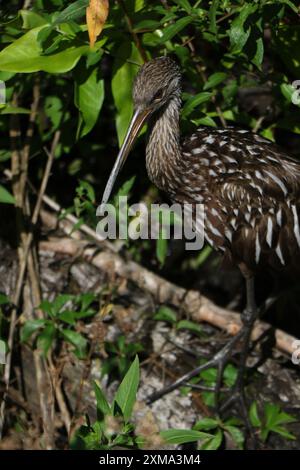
x,y
249,187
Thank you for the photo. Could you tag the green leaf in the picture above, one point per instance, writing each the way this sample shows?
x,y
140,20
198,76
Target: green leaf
x,y
85,189
146,24
77,340
5,196
126,394
214,442
125,188
89,97
213,27
205,121
238,35
185,4
24,55
206,424
53,107
31,19
161,248
253,415
4,300
209,375
72,12
214,80
103,407
85,300
259,55
230,375
189,325
195,101
288,91
67,316
182,436
170,31
47,307
46,338
30,327
124,72
14,110
284,433
236,435
291,5
166,314
138,5
5,155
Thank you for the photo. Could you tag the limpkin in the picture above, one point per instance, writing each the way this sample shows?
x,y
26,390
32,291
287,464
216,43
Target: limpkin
x,y
249,187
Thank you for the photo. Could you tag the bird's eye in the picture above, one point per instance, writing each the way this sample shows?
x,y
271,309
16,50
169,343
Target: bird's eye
x,y
158,96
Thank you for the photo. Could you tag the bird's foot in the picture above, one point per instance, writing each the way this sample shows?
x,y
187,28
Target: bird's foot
x,y
235,394
219,361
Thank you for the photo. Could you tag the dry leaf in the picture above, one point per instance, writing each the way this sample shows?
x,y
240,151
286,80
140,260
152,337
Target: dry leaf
x,y
96,15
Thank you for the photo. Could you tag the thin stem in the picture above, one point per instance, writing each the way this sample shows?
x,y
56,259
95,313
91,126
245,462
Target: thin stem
x,y
132,32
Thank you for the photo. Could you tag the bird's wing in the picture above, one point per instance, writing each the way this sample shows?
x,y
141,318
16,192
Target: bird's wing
x,y
246,161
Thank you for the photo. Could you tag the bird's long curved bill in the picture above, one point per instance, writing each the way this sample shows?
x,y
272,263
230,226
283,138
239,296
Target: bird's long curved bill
x,y
137,122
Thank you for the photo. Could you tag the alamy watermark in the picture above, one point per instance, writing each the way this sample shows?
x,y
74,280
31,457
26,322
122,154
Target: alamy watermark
x,y
139,221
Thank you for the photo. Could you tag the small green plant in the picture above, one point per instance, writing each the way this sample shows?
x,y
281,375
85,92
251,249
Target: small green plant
x,y
120,354
169,315
60,320
208,378
114,426
219,428
273,419
84,204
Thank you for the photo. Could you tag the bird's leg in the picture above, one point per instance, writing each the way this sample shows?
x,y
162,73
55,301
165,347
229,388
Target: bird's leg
x,y
249,316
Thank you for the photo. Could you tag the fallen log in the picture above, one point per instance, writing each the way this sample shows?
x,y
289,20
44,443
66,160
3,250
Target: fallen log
x,y
195,305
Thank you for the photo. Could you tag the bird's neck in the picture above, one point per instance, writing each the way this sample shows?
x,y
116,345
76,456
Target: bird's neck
x,y
163,152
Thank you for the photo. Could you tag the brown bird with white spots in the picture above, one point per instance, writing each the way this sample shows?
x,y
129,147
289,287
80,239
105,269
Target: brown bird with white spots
x,y
249,187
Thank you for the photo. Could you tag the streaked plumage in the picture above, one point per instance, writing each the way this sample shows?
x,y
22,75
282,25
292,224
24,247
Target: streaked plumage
x,y
249,187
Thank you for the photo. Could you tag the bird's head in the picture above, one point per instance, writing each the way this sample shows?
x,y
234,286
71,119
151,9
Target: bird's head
x,y
154,86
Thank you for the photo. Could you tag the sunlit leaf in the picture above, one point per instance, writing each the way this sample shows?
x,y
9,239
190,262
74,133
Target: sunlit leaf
x,y
72,12
126,394
166,314
124,71
181,436
24,55
30,327
5,196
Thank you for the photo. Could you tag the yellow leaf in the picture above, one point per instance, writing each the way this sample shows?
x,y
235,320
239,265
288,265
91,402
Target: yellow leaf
x,y
96,15
106,310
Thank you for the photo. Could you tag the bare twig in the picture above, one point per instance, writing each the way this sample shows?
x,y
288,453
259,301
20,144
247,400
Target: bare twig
x,y
132,32
56,382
